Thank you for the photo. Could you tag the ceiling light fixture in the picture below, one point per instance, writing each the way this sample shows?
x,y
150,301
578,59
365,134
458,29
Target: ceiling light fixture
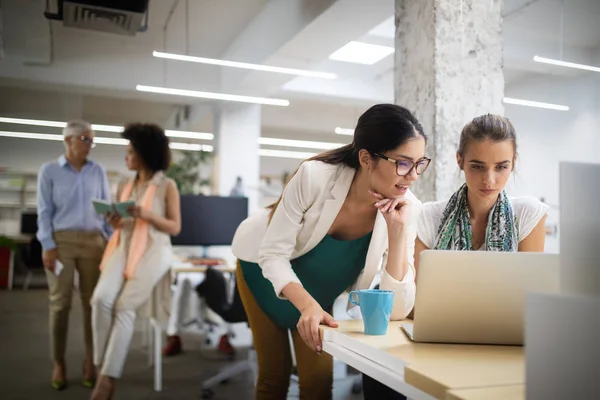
x,y
566,64
213,96
36,122
344,131
25,135
299,143
177,146
285,154
102,140
529,103
170,133
104,128
243,65
191,147
361,53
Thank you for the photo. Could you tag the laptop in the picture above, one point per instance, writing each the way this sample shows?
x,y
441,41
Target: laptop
x,y
477,297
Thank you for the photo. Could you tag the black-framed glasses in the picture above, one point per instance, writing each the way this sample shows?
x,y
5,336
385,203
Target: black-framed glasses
x,y
405,167
87,140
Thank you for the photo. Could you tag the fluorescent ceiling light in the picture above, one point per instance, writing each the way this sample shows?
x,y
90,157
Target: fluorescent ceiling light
x,y
299,143
104,128
344,131
285,154
538,104
101,140
361,53
24,135
105,140
191,146
178,134
214,96
36,122
190,135
565,64
236,64
177,146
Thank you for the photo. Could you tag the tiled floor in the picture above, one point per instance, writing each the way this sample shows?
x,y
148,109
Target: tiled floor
x,y
25,368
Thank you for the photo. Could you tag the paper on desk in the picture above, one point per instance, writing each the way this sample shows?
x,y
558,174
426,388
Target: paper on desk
x,y
181,264
58,267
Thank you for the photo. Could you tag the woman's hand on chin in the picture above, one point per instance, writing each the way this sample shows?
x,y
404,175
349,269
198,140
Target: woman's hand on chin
x,y
395,211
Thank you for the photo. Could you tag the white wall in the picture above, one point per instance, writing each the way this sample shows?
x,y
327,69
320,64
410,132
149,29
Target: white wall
x,y
546,137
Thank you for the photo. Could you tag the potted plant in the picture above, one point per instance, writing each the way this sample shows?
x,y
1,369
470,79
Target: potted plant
x,y
187,171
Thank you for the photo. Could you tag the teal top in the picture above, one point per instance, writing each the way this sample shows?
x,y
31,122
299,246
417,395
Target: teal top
x,y
325,272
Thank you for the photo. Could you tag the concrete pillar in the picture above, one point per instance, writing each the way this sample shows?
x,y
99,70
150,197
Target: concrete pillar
x,y
237,129
448,69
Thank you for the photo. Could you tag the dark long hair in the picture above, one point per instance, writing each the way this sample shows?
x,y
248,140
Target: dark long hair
x,y
381,128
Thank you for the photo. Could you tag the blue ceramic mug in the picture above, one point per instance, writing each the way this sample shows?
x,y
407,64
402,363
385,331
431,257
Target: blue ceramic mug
x,y
375,307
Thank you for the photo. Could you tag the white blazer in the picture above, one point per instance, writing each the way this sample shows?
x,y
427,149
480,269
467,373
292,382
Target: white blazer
x,y
311,201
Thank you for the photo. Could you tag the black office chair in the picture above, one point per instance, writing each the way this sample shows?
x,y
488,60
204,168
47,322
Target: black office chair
x,y
215,290
31,256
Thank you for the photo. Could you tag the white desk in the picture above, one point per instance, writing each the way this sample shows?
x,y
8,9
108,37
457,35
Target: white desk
x,y
424,371
202,269
510,392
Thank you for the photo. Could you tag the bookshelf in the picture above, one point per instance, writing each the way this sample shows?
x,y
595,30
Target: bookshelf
x,y
18,194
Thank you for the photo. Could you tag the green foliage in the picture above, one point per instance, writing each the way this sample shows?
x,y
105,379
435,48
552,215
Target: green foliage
x,y
186,171
8,243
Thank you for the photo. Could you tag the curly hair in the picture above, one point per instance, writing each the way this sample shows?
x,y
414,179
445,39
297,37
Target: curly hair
x,y
151,144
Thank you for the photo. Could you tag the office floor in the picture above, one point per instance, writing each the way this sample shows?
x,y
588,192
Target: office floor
x,y
26,369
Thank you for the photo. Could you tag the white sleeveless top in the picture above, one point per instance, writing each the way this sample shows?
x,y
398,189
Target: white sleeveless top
x,y
528,211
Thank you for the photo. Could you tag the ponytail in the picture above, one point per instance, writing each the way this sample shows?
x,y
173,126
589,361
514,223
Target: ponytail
x,y
347,155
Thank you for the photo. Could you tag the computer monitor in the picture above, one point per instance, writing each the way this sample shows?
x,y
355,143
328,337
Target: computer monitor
x,y
210,220
579,228
29,223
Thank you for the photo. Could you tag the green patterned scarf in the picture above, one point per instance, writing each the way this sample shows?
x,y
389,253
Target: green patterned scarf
x,y
454,232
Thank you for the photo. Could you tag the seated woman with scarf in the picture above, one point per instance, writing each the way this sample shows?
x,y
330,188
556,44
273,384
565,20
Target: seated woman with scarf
x,y
138,255
480,215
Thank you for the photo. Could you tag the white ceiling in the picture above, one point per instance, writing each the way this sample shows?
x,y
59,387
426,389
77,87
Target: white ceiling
x,y
293,33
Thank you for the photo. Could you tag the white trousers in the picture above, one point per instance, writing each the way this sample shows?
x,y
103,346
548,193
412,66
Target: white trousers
x,y
114,306
183,295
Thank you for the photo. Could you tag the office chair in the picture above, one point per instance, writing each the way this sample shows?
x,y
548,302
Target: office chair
x,y
31,255
215,292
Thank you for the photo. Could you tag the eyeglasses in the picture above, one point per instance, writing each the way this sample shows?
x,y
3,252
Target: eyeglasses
x,y
87,140
405,167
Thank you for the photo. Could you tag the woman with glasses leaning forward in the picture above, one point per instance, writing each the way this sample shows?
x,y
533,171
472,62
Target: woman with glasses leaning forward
x,y
345,214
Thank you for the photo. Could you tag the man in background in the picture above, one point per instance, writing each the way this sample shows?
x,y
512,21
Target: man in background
x,y
73,237
238,188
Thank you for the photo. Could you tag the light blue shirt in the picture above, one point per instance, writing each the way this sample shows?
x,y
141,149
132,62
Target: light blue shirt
x,y
64,199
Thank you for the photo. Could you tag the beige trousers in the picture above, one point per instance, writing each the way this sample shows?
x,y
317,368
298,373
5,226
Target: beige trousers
x,y
81,251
